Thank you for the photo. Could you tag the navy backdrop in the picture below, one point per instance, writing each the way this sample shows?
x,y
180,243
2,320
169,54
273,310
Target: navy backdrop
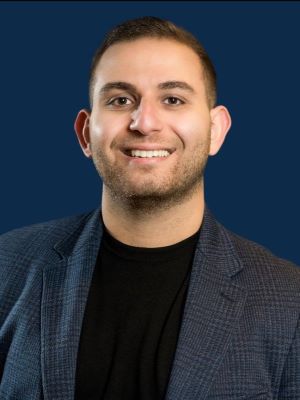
x,y
46,49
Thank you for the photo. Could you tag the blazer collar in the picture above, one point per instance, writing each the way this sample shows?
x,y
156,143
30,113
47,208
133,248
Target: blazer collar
x,y
86,231
212,310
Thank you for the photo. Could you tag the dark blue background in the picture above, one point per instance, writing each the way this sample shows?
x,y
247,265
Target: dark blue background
x,y
46,50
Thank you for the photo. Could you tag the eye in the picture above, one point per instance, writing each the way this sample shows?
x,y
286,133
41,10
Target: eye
x,y
173,101
120,101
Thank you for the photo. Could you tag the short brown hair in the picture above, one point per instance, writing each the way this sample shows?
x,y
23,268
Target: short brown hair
x,y
154,27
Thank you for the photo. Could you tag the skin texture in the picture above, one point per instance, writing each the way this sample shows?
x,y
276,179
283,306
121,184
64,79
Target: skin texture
x,y
155,201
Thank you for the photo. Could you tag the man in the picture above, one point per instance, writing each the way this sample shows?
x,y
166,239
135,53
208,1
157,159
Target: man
x,y
147,297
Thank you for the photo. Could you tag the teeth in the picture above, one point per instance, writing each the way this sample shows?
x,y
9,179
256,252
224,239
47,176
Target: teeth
x,y
152,153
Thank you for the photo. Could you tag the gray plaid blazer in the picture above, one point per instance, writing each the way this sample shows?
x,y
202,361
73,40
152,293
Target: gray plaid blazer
x,y
239,337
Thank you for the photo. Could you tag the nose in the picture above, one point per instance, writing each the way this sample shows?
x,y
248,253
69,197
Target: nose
x,y
146,119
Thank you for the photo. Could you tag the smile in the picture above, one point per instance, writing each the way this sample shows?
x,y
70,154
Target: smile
x,y
149,153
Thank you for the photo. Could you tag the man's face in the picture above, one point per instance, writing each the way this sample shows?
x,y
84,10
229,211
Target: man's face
x,y
149,100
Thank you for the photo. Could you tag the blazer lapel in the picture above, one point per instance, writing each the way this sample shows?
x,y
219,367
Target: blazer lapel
x,y
213,307
65,291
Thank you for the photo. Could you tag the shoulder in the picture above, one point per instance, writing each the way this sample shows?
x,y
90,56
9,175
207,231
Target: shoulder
x,y
239,256
37,240
263,269
25,252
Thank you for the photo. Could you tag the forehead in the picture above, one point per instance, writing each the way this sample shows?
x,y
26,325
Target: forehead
x,y
148,61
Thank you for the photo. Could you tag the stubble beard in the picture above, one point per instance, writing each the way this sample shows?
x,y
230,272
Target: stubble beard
x,y
150,195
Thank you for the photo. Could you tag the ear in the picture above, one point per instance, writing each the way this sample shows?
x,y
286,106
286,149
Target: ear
x,y
220,125
82,129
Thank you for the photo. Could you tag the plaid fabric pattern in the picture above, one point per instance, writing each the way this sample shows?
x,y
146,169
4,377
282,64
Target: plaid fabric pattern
x,y
239,336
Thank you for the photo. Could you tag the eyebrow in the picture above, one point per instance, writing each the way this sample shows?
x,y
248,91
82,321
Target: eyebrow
x,y
117,85
131,88
176,85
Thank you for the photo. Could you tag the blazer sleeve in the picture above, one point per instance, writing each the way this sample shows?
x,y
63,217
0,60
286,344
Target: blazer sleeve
x,y
290,379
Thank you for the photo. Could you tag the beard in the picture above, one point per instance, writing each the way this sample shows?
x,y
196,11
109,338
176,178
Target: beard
x,y
153,191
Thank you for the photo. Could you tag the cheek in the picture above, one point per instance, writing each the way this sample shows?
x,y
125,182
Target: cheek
x,y
192,129
105,129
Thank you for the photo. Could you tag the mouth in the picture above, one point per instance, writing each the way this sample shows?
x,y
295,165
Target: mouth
x,y
153,153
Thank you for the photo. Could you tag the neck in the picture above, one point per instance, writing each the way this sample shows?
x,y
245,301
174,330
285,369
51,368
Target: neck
x,y
162,227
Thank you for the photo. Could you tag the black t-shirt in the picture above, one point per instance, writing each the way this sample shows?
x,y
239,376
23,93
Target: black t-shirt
x,y
132,320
